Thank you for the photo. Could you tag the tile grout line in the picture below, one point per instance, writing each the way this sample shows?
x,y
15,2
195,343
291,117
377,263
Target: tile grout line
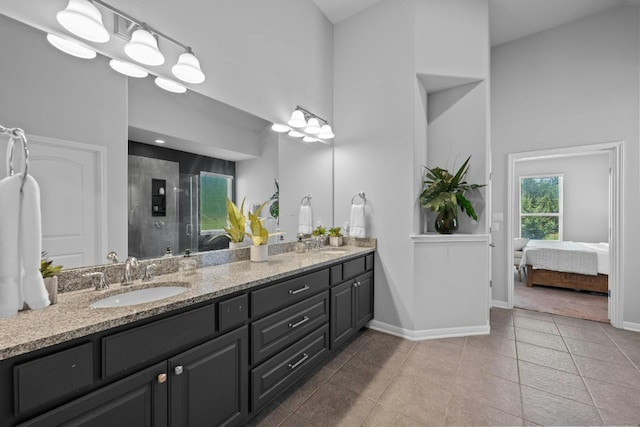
x,y
515,339
619,348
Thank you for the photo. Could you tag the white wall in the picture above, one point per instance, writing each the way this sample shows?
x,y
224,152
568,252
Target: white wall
x,y
585,193
573,85
49,93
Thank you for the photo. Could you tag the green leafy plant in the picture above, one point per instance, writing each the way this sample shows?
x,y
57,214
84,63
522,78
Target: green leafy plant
x,y
237,221
47,269
319,231
274,209
443,191
259,234
335,232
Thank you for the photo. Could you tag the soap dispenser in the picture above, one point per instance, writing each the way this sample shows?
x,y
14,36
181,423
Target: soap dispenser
x,y
187,265
300,247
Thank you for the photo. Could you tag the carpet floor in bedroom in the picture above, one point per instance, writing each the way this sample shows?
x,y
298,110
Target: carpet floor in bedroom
x,y
565,302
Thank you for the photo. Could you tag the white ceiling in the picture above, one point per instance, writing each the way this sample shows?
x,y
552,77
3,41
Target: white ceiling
x,y
509,19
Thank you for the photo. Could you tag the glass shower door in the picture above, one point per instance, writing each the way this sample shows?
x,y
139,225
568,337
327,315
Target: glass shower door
x,y
188,212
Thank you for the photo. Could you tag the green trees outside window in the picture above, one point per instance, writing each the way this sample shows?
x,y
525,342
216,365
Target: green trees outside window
x,y
541,207
214,191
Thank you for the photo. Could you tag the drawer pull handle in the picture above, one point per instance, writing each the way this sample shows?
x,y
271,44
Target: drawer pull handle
x,y
162,378
178,370
297,291
304,320
304,357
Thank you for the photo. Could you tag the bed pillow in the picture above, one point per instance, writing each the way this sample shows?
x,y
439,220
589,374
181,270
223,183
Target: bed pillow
x,y
519,243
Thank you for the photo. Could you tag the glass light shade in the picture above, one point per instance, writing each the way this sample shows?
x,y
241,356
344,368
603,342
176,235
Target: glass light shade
x,y
313,126
128,69
295,134
297,119
83,19
326,132
277,127
309,139
170,85
71,47
143,48
188,69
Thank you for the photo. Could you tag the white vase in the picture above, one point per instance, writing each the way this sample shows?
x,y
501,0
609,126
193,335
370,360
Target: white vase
x,y
51,283
259,253
335,241
235,245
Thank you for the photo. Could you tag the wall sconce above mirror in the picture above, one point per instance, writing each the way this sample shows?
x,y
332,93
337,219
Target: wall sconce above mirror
x,y
305,124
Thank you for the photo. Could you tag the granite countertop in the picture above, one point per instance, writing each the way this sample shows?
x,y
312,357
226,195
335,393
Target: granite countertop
x,y
72,317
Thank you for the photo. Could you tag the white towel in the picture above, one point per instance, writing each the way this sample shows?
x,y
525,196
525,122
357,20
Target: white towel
x,y
20,246
305,220
357,227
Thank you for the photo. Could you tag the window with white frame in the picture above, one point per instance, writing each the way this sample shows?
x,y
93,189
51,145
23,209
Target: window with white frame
x,y
541,207
214,191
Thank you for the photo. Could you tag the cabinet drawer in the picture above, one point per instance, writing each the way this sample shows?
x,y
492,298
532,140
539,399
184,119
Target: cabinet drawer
x,y
336,274
52,377
145,344
282,370
285,293
353,268
277,331
368,262
233,312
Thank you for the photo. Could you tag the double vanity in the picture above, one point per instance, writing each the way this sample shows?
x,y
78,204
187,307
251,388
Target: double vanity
x,y
214,354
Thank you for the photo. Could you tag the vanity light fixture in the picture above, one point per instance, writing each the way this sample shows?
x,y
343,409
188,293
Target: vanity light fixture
x,y
71,46
170,85
295,134
308,138
160,141
82,18
128,69
309,125
313,126
280,128
297,119
326,132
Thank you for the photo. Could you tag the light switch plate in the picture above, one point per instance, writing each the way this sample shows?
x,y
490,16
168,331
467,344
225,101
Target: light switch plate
x,y
497,216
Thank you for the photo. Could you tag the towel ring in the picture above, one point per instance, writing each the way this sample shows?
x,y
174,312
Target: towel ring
x,y
362,196
14,134
306,198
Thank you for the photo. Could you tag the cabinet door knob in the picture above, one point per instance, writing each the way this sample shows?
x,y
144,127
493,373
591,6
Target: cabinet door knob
x,y
162,378
178,370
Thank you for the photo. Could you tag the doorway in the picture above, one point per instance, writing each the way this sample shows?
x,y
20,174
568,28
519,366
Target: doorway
x,y
613,151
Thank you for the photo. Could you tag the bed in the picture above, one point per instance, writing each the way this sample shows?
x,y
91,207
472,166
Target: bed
x,y
572,265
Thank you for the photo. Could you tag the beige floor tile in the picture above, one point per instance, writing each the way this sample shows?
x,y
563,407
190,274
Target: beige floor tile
x,y
492,344
547,409
440,349
301,391
627,376
553,381
547,357
381,416
295,421
385,351
610,353
573,321
489,390
504,330
417,399
617,419
440,373
536,325
330,367
490,363
584,334
272,416
540,338
465,412
364,377
332,405
519,312
500,315
616,399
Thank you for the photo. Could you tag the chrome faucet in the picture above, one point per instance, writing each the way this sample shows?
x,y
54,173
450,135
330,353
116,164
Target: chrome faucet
x,y
113,257
148,273
131,262
102,283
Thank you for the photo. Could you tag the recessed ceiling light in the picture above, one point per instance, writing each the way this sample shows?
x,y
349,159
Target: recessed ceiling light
x,y
160,141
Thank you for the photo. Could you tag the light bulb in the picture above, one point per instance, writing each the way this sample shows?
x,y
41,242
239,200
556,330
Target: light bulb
x,y
313,126
83,19
188,69
326,132
143,48
308,138
297,119
128,69
170,85
295,134
277,127
71,47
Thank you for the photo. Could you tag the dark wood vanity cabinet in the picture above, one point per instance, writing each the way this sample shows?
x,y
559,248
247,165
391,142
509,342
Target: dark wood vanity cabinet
x,y
217,364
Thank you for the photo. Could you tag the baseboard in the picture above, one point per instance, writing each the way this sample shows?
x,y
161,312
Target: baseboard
x,y
499,304
428,334
631,326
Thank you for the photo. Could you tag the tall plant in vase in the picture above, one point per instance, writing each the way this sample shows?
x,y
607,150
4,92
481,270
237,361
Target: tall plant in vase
x,y
443,192
259,235
237,222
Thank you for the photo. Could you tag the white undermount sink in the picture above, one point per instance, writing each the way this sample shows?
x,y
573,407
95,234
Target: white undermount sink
x,y
140,296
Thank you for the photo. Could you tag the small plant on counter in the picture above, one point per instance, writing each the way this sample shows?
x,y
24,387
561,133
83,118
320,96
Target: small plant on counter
x,y
259,235
319,231
47,269
237,221
335,232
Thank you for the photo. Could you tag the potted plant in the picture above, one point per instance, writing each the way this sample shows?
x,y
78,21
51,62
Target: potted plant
x,y
443,192
49,274
237,222
335,236
259,235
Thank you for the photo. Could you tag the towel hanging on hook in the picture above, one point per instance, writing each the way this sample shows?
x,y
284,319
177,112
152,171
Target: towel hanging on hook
x,y
16,133
362,196
307,199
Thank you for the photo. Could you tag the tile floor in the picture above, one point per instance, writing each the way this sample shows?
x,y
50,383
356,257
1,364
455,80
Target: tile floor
x,y
534,369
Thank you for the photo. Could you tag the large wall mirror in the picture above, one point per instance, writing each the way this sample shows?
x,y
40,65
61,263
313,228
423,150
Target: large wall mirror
x,y
71,103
